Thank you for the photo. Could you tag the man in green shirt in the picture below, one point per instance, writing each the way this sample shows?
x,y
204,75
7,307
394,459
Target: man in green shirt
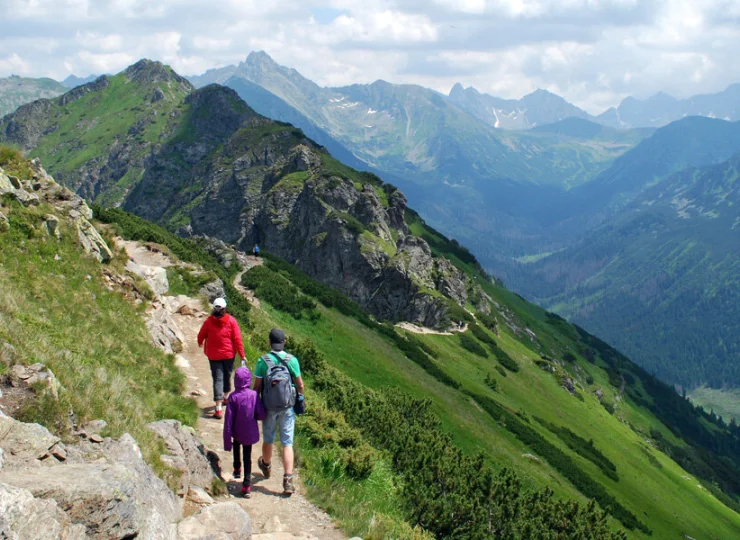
x,y
284,419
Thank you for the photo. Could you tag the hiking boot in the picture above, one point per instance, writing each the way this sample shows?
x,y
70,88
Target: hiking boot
x,y
247,492
218,415
288,486
237,474
266,468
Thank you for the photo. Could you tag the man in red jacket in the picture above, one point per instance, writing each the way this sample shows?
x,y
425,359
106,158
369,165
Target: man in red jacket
x,y
221,340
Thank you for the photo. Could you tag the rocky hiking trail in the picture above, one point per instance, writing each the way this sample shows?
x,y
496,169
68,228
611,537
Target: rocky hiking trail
x,y
274,515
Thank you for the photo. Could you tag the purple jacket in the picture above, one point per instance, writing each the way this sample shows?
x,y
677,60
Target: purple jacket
x,y
242,412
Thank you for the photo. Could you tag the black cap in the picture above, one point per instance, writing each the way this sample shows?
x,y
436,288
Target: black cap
x,y
277,336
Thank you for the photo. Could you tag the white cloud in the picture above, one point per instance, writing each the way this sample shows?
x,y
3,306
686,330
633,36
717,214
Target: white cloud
x,y
593,52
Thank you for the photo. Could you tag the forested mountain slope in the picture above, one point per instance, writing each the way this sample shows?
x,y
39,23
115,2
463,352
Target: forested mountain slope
x,y
661,280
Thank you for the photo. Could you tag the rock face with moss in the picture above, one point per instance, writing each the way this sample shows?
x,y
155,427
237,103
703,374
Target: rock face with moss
x,y
204,163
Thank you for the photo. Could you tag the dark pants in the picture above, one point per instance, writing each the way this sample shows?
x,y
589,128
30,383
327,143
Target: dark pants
x,y
247,461
221,374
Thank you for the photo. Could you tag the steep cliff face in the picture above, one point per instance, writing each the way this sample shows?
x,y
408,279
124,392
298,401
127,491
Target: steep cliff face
x,y
212,166
234,175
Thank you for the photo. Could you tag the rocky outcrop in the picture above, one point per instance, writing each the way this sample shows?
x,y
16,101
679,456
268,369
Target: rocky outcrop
x,y
187,454
101,489
164,331
154,276
22,376
91,241
24,517
223,521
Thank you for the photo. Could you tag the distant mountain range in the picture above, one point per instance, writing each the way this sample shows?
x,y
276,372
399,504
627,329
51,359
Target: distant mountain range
x,y
536,204
662,109
535,109
73,81
16,91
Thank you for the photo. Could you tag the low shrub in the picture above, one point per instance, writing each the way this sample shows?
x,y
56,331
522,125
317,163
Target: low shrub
x,y
280,293
472,345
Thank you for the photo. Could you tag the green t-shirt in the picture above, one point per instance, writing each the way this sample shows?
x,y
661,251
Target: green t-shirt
x,y
293,366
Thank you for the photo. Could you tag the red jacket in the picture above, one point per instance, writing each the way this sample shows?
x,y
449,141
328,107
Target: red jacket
x,y
222,336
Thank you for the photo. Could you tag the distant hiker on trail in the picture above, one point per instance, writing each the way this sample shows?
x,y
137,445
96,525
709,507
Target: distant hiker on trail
x,y
256,251
278,376
243,409
221,340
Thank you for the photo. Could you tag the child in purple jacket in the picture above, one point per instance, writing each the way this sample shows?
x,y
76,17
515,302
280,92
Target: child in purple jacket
x,y
242,412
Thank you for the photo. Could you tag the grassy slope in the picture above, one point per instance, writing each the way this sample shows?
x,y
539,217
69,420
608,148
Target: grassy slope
x,y
370,359
650,485
58,311
81,135
724,403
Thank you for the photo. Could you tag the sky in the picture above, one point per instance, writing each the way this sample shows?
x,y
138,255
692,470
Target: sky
x,y
592,52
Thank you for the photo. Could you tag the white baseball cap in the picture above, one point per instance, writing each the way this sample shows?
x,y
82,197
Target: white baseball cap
x,y
219,303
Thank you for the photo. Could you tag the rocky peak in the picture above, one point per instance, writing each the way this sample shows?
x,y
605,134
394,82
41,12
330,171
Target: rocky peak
x,y
150,72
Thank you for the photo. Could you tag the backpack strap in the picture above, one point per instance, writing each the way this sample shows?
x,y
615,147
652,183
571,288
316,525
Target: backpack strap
x,y
283,362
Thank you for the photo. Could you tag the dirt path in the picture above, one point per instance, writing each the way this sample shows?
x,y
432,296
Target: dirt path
x,y
274,516
416,329
248,262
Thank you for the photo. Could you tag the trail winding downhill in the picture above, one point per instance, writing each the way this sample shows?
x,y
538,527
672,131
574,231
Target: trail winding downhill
x,y
274,516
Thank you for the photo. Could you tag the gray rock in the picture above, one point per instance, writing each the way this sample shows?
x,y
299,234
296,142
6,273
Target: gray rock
x,y
186,453
91,240
568,384
5,185
24,517
27,376
199,496
15,182
118,496
4,223
26,198
213,290
154,276
225,520
450,281
51,225
164,331
24,445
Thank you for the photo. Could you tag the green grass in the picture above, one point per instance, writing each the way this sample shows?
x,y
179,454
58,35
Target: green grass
x,y
354,345
55,309
724,403
14,164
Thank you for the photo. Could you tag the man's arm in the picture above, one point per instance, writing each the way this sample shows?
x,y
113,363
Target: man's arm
x,y
299,384
257,384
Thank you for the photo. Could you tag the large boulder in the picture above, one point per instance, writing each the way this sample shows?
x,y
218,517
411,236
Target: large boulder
x,y
185,453
91,241
25,445
116,496
24,517
5,185
223,521
164,331
154,276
